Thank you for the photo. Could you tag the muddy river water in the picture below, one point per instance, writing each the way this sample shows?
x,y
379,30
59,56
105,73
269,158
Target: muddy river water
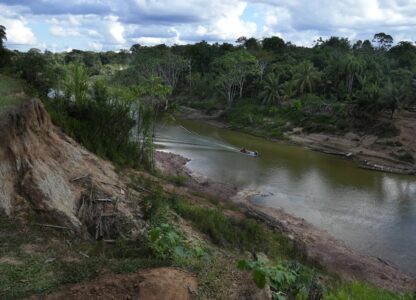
x,y
371,211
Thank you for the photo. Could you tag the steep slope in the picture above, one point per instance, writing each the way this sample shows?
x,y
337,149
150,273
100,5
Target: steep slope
x,y
43,170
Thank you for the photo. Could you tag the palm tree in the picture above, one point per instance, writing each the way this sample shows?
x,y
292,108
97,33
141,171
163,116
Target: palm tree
x,y
392,96
306,78
2,35
353,68
271,93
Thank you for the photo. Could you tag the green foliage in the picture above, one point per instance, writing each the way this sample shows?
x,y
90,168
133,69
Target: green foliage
x,y
149,95
11,92
101,122
286,281
166,242
52,263
233,70
271,93
245,234
3,36
155,205
76,83
273,43
306,78
361,291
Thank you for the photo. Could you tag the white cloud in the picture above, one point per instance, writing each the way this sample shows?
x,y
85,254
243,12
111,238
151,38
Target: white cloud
x,y
115,24
18,33
95,46
59,31
116,30
302,21
230,26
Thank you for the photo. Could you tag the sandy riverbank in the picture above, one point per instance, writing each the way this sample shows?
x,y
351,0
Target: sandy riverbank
x,y
316,245
368,151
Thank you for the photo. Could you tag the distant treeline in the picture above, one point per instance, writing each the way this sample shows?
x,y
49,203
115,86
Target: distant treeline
x,y
336,82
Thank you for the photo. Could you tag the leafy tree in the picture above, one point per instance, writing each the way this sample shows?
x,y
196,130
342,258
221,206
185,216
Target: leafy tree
x,y
171,68
404,54
367,46
149,96
160,63
392,96
383,40
334,42
252,44
34,66
353,68
274,43
306,77
135,48
241,40
3,36
366,100
233,70
76,83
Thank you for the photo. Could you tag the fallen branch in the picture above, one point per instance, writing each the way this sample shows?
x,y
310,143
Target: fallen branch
x,y
103,200
80,177
108,215
83,254
52,226
109,241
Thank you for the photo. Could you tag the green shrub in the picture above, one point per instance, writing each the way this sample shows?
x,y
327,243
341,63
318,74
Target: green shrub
x,y
244,234
286,281
361,291
103,128
166,242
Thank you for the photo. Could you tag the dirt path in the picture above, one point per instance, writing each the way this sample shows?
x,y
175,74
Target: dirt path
x,y
318,246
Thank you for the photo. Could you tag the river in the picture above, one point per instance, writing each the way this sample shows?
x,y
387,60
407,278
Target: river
x,y
373,212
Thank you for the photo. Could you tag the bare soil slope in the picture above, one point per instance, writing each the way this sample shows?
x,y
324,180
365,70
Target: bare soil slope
x,y
152,284
43,170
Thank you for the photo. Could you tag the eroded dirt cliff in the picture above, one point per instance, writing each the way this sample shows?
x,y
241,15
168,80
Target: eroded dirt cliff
x,y
45,171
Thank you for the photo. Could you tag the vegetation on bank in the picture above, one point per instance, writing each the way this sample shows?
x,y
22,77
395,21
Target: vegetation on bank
x,y
11,92
219,249
109,103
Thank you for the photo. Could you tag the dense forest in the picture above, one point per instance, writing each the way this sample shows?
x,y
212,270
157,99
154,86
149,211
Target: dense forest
x,y
268,85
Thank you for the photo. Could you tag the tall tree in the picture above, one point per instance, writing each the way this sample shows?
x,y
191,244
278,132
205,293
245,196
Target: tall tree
x,y
233,69
392,96
383,40
76,83
3,36
274,43
306,77
271,93
150,95
353,68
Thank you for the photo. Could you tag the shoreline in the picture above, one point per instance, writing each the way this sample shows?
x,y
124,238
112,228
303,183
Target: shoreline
x,y
316,245
350,146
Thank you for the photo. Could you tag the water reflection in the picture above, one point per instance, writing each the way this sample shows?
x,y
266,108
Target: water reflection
x,y
374,212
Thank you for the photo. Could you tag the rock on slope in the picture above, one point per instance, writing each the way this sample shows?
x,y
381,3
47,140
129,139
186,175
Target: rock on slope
x,y
43,170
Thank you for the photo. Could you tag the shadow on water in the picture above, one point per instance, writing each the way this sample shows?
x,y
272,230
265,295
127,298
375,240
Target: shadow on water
x,y
372,211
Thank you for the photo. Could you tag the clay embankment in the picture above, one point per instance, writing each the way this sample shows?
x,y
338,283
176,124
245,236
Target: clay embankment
x,y
44,171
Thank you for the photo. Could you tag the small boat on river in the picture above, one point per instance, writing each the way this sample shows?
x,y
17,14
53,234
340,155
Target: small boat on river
x,y
248,152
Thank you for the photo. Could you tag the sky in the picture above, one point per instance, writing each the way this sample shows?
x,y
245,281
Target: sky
x,y
100,25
